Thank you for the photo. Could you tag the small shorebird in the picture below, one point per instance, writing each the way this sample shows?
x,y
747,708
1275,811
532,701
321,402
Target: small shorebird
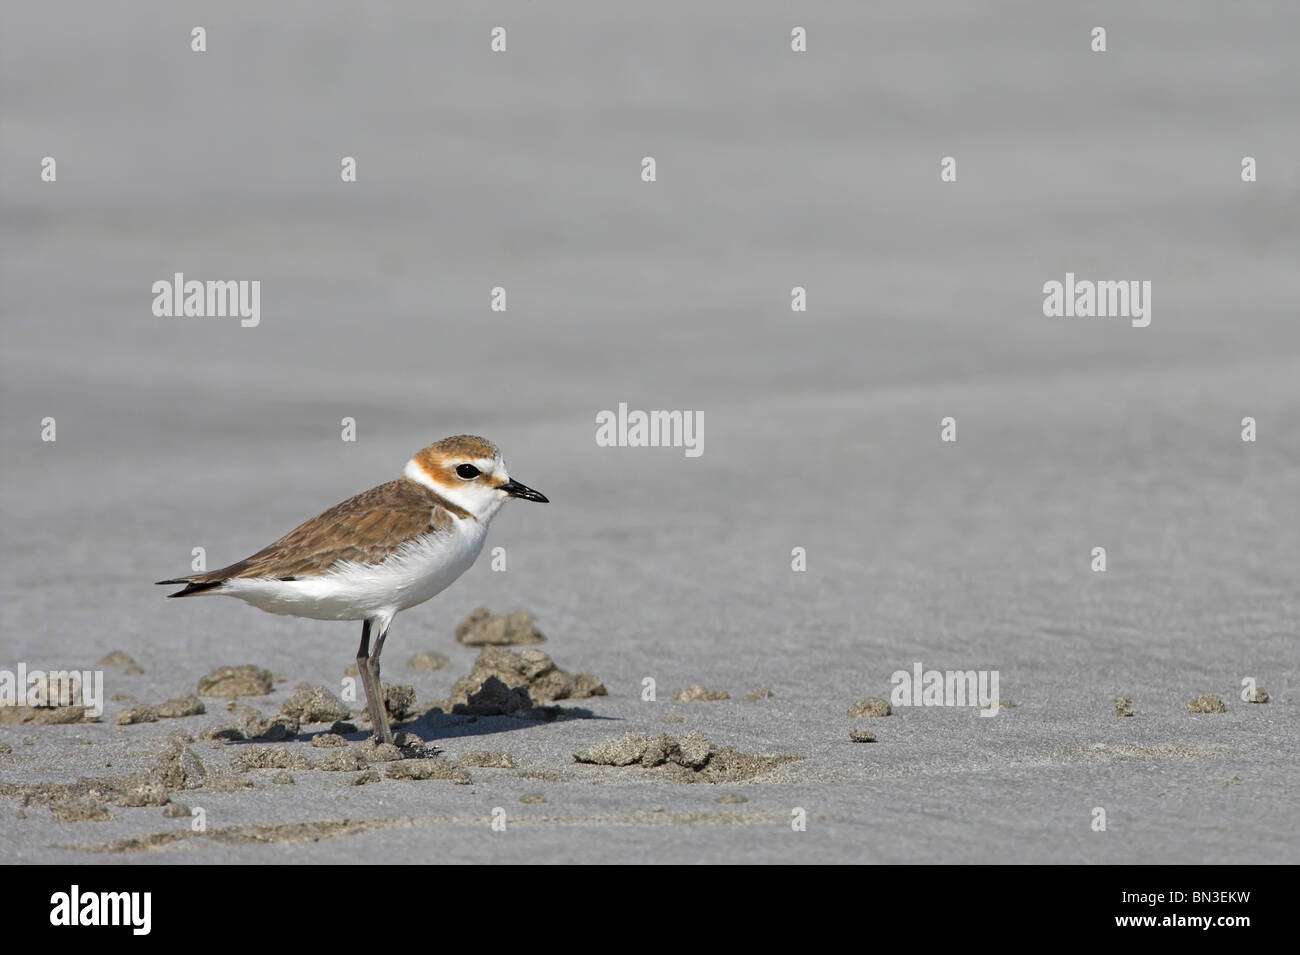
x,y
385,550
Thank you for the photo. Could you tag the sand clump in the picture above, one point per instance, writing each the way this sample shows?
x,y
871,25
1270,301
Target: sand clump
x,y
689,758
228,733
487,760
517,683
484,628
179,767
52,697
429,660
343,761
871,707
268,757
42,715
377,752
137,714
698,694
314,704
327,740
231,682
87,799
399,701
180,707
271,729
1206,703
434,767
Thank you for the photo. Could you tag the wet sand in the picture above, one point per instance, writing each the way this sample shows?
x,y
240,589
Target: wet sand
x,y
775,170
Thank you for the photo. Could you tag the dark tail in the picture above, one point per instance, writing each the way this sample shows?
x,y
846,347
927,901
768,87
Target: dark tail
x,y
191,587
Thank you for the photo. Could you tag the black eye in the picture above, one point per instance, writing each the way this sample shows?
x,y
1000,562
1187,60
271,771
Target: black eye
x,y
468,471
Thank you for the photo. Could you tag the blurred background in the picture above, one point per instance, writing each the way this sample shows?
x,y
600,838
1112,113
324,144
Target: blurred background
x,y
775,169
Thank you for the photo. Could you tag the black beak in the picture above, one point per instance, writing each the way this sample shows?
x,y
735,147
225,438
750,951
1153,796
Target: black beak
x,y
515,489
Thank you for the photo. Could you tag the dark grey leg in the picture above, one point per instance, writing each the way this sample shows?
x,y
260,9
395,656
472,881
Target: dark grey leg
x,y
374,703
382,733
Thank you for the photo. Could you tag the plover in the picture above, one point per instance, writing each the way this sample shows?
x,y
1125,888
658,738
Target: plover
x,y
385,550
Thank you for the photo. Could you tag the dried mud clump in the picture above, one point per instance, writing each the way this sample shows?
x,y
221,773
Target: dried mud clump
x,y
52,696
431,768
42,715
137,714
272,729
428,660
230,682
1206,703
483,628
180,707
1123,706
343,761
872,706
517,683
314,704
179,768
268,757
488,760
229,733
80,810
377,752
690,758
698,694
399,701
87,799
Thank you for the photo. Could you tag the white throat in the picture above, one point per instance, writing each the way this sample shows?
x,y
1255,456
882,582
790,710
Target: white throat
x,y
482,502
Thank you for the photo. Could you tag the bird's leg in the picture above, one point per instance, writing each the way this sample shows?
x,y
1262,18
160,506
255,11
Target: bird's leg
x,y
363,670
382,733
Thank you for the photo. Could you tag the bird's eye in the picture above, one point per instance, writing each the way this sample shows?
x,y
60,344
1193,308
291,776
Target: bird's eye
x,y
468,472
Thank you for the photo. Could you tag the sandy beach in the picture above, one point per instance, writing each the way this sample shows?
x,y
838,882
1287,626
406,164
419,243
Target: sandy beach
x,y
821,441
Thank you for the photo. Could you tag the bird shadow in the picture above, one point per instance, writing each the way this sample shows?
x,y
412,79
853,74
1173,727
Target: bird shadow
x,y
493,709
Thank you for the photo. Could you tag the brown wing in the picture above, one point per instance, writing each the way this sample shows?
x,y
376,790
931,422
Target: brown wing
x,y
365,529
